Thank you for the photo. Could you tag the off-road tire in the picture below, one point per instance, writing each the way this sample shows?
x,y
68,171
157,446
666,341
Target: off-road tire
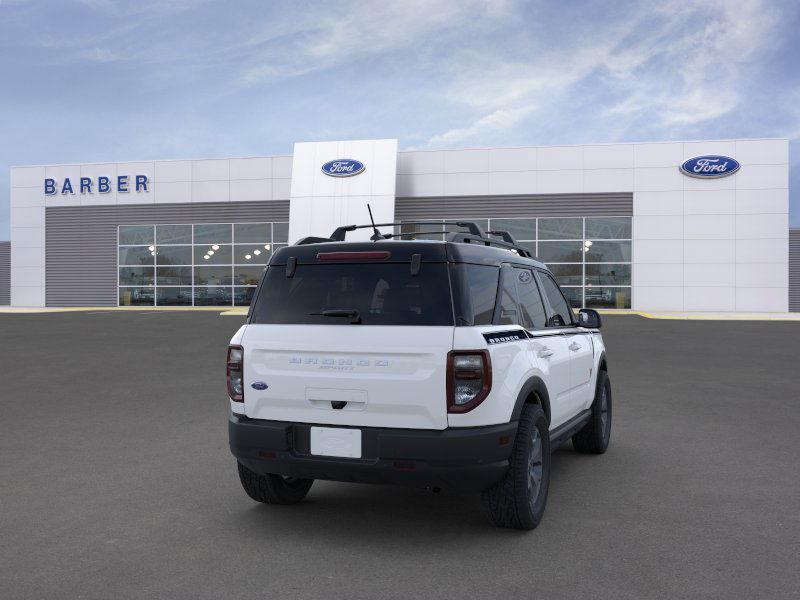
x,y
595,435
516,501
273,489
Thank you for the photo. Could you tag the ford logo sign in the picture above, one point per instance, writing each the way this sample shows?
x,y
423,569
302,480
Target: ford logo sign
x,y
710,166
259,385
343,167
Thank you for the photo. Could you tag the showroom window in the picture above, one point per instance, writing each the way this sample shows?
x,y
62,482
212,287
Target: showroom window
x,y
590,257
208,264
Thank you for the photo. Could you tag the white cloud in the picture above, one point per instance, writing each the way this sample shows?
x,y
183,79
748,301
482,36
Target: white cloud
x,y
673,64
500,119
321,40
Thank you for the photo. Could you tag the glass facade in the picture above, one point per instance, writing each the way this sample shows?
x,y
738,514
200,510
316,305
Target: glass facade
x,y
590,257
209,264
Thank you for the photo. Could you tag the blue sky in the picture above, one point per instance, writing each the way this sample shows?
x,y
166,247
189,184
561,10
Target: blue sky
x,y
98,80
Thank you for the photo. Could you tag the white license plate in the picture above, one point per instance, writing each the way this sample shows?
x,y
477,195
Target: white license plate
x,y
336,441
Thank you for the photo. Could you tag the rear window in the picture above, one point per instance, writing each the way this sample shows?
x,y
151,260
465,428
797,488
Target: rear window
x,y
382,294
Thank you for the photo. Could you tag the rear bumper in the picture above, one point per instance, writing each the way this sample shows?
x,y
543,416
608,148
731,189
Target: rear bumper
x,y
465,459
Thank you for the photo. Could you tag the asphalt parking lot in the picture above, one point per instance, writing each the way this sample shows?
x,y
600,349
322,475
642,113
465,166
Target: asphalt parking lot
x,y
117,481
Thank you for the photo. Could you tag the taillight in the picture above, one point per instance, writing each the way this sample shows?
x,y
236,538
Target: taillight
x,y
235,373
469,379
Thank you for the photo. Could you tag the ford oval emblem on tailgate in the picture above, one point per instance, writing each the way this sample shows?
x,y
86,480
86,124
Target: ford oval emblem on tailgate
x,y
259,385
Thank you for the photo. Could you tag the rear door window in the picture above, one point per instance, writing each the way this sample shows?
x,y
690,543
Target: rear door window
x,y
530,300
560,313
382,294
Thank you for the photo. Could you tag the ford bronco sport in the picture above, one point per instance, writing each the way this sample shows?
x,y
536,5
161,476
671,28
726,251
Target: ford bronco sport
x,y
454,364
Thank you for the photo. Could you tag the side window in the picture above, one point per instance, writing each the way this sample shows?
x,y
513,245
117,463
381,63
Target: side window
x,y
474,293
508,299
530,300
561,314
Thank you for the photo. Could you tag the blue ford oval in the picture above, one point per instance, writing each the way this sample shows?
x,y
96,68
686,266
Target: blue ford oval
x,y
343,167
710,166
259,385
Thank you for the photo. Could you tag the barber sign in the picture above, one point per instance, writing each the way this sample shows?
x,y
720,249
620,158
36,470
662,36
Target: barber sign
x,y
710,166
343,167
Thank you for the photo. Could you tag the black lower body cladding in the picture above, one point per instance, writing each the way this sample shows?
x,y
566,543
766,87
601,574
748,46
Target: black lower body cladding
x,y
467,459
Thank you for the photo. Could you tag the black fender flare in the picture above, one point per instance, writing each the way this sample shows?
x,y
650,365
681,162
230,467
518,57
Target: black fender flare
x,y
534,385
602,363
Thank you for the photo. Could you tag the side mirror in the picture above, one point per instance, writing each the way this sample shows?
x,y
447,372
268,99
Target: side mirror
x,y
589,318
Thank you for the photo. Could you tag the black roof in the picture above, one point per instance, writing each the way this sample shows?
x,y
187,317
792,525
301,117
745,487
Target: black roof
x,y
401,251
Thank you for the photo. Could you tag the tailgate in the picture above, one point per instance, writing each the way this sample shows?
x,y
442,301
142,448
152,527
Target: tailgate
x,y
371,376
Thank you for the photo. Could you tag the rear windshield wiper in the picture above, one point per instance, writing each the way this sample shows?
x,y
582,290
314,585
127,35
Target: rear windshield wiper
x,y
354,315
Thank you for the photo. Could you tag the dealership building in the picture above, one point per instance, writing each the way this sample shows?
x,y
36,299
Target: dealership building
x,y
663,226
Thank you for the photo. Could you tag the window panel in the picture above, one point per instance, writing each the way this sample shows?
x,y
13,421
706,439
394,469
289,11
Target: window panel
x,y
247,274
608,251
219,256
280,232
608,274
173,255
561,228
134,235
136,255
174,276
251,254
251,233
136,275
212,233
560,252
173,234
608,228
212,275
174,296
599,297
521,229
212,296
567,274
243,296
136,296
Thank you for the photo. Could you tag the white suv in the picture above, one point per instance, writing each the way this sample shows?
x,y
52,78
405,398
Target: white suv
x,y
451,364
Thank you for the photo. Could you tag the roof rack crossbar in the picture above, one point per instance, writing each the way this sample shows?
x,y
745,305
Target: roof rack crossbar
x,y
341,232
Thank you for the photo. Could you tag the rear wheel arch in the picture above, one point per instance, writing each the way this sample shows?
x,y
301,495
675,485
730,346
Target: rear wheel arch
x,y
534,391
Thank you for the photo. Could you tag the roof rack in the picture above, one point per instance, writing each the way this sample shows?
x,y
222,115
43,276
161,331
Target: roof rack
x,y
341,232
473,235
465,238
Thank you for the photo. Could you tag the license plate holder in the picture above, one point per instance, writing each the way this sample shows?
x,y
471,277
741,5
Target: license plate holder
x,y
341,442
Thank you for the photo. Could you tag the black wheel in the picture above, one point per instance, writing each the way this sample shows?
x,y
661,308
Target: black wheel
x,y
273,489
595,435
517,501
